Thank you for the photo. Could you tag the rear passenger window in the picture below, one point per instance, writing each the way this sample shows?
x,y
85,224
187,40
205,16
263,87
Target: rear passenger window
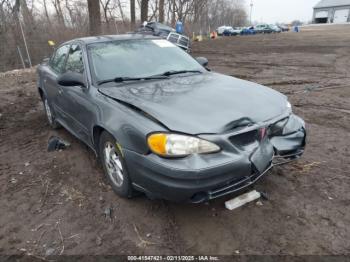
x,y
75,60
58,60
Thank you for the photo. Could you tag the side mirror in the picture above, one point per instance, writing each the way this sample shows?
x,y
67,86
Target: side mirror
x,y
71,79
203,61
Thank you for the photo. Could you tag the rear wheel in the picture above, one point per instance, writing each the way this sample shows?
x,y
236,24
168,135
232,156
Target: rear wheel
x,y
50,114
114,166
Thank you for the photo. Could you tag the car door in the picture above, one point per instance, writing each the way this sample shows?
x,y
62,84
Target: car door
x,y
76,100
50,76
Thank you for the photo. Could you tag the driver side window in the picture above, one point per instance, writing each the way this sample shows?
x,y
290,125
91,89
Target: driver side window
x,y
75,60
58,60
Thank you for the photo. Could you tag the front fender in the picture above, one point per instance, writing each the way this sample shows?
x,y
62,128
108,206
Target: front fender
x,y
128,125
293,137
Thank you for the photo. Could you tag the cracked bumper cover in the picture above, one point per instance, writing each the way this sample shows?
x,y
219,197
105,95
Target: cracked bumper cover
x,y
199,178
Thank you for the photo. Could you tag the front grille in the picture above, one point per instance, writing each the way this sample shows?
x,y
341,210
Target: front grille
x,y
173,38
245,139
179,40
183,41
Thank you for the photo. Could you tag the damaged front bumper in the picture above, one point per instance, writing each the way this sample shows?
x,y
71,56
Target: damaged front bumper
x,y
246,156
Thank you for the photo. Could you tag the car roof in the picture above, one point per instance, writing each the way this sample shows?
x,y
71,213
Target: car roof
x,y
108,38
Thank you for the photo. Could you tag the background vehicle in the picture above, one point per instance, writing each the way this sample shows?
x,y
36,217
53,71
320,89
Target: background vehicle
x,y
228,31
248,31
263,29
220,30
156,29
284,28
275,29
166,32
237,30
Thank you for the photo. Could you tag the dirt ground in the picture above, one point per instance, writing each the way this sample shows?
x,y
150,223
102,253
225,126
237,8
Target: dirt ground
x,y
55,203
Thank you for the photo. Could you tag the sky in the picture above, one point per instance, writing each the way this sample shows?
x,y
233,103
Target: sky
x,y
283,11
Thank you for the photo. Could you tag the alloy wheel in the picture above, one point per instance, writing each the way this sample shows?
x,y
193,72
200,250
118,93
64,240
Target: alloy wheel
x,y
113,164
48,111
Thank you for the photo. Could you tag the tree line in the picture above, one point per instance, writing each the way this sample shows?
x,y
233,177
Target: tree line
x,y
38,21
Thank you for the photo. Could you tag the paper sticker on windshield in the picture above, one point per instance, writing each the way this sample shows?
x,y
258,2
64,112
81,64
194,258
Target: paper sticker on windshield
x,y
163,43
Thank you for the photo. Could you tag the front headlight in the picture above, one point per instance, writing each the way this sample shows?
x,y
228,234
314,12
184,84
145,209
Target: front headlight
x,y
293,125
174,145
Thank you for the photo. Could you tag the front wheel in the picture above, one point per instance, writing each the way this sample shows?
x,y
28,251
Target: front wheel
x,y
49,114
114,166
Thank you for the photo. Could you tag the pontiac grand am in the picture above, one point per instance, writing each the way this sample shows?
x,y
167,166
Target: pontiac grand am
x,y
162,123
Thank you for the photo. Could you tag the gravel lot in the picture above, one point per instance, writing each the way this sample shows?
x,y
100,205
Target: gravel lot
x,y
55,203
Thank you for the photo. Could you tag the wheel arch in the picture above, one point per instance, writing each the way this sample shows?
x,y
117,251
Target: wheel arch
x,y
41,93
40,87
97,130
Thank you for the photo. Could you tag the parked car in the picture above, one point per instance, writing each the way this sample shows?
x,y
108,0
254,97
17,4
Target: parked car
x,y
275,29
157,29
248,31
228,31
173,130
220,30
284,28
166,32
263,29
237,30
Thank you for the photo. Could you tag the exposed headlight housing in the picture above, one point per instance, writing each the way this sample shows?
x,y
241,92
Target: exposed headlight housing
x,y
289,105
175,145
293,125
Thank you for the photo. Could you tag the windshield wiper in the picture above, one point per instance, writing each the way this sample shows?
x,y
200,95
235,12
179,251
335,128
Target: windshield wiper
x,y
177,72
125,79
160,76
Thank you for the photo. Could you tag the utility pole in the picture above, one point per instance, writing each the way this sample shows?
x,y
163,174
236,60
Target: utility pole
x,y
25,43
251,11
20,55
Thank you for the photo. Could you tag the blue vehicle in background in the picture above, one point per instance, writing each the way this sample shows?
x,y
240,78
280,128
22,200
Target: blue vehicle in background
x,y
248,31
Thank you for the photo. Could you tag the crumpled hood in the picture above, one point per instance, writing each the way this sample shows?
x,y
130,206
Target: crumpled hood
x,y
205,103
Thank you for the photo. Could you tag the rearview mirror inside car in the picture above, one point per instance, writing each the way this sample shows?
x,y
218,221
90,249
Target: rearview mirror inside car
x,y
71,79
202,60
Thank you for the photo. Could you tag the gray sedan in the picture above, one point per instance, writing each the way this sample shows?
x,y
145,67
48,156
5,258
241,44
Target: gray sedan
x,y
162,123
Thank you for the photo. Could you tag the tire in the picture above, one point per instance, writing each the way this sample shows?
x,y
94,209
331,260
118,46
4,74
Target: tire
x,y
50,114
115,167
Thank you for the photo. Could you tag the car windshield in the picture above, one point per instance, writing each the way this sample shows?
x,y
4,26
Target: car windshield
x,y
138,58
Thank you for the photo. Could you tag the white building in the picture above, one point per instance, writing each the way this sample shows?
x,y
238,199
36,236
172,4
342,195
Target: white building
x,y
332,11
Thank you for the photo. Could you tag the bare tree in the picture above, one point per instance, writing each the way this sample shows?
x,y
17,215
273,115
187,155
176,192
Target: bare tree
x,y
94,17
26,13
161,11
144,10
172,8
59,12
132,14
61,20
46,12
105,7
121,11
